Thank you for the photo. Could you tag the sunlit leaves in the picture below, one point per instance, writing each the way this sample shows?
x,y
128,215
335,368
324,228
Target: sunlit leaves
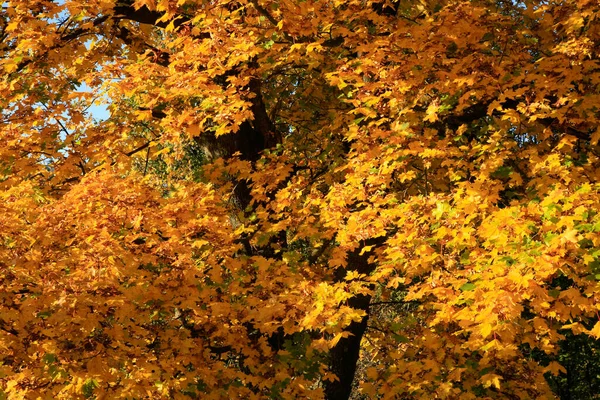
x,y
266,166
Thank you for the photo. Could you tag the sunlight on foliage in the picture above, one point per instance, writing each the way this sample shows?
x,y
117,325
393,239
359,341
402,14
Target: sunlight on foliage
x,y
299,199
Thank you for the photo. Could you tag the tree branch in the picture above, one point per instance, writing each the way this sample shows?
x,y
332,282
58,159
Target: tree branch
x,y
144,15
480,110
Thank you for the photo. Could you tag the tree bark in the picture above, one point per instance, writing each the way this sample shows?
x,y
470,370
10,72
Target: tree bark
x,y
344,356
254,136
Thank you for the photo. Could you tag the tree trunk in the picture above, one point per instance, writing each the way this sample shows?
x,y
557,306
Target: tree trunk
x,y
344,356
254,136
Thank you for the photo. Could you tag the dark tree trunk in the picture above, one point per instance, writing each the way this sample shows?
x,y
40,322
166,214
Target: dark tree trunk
x,y
254,136
344,356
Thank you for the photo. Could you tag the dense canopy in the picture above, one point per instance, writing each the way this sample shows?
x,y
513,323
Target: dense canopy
x,y
299,199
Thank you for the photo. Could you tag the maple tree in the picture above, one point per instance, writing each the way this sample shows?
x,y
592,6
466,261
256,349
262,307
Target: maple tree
x,y
284,190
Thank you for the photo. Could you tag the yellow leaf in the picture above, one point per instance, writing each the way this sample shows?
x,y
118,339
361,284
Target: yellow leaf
x,y
365,249
491,380
333,342
368,389
431,112
495,105
12,26
372,373
555,368
328,376
137,221
10,66
595,331
486,329
193,130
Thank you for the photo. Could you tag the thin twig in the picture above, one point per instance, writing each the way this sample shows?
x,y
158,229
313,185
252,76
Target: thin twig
x,y
147,158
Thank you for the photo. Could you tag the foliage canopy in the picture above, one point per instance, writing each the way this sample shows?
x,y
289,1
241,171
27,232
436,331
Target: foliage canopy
x,y
284,190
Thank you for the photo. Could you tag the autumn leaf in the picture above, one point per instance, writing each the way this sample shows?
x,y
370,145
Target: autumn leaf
x,y
491,380
298,200
432,112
